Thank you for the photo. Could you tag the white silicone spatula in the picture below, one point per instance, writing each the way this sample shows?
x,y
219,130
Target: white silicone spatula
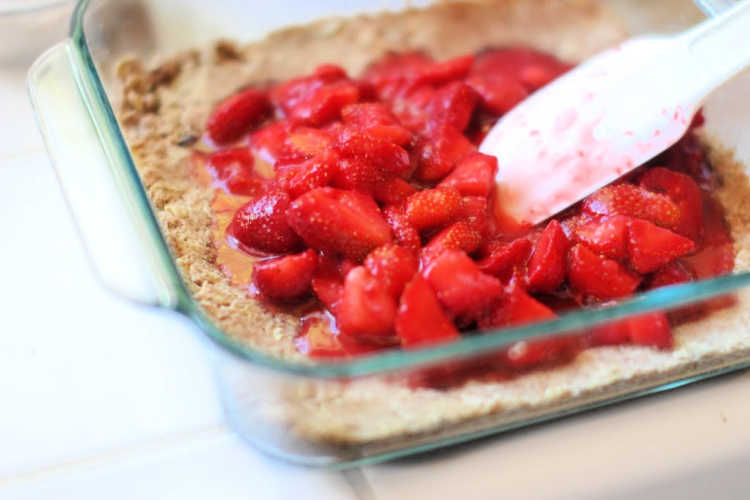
x,y
611,114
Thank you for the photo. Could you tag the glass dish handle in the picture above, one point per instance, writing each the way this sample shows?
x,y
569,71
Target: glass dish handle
x,y
104,199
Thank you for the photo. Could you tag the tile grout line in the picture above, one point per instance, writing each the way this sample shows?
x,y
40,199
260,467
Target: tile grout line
x,y
118,453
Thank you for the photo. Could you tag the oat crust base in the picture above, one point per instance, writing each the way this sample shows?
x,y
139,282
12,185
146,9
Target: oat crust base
x,y
163,108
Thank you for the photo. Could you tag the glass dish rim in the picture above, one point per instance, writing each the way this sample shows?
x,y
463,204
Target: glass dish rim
x,y
106,123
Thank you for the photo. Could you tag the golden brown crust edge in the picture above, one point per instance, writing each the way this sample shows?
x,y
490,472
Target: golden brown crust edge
x,y
165,107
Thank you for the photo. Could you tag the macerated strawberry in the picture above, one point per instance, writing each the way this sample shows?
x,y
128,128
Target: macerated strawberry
x,y
375,119
440,152
261,224
614,333
285,278
607,236
354,174
504,258
271,143
498,93
686,194
635,201
453,104
433,208
310,141
420,319
546,267
528,66
367,310
411,107
393,191
379,154
328,279
595,275
533,353
464,290
651,246
458,236
404,232
475,212
439,72
335,220
515,308
392,265
674,273
299,178
473,176
233,170
316,99
235,115
650,329
396,73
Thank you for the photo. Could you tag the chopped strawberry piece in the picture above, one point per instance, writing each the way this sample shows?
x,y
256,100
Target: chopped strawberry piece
x,y
334,220
516,308
262,224
650,329
328,279
396,72
529,354
473,176
614,333
607,236
457,236
404,232
233,170
464,290
598,276
650,246
504,258
379,154
433,208
393,191
529,67
367,310
498,93
310,141
686,194
298,179
234,116
440,72
627,199
440,152
318,339
452,105
393,266
421,320
674,273
271,143
475,212
546,268
376,120
354,174
318,98
285,278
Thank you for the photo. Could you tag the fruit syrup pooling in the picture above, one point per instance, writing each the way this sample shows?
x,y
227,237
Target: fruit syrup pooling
x,y
363,206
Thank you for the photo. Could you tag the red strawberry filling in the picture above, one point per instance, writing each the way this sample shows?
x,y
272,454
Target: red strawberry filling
x,y
380,212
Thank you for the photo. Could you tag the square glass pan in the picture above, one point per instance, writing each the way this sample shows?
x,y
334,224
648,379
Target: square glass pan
x,y
72,90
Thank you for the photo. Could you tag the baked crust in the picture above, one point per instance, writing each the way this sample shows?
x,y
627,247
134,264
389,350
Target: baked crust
x,y
164,110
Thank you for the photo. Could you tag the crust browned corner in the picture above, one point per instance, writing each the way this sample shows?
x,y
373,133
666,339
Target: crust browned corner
x,y
163,110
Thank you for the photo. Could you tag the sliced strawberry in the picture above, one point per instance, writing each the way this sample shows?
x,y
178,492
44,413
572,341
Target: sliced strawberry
x,y
411,108
376,120
475,212
529,354
433,208
436,73
627,199
285,278
717,253
234,116
461,287
233,170
298,179
328,279
380,154
516,308
530,67
598,276
614,333
473,176
271,143
504,258
367,310
674,273
310,141
393,266
354,174
607,236
650,329
498,93
395,73
440,152
453,104
262,224
318,98
546,268
650,246
457,236
393,191
334,220
421,320
686,194
404,232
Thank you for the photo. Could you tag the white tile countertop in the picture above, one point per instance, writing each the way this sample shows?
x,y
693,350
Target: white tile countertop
x,y
100,398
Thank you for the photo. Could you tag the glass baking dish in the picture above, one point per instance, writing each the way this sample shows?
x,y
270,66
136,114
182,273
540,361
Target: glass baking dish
x,y
280,406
